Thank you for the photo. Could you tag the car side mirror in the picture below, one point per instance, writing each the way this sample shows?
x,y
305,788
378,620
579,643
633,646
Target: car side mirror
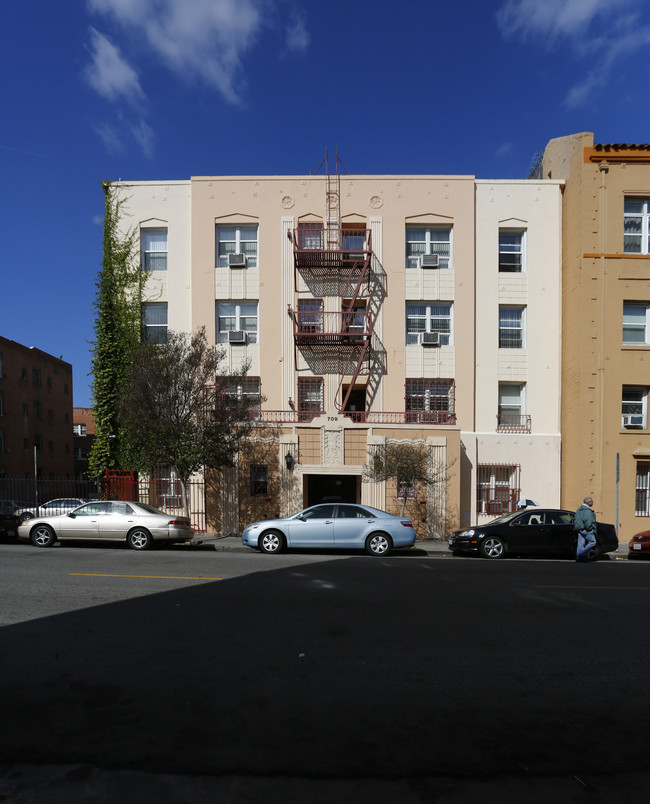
x,y
301,518
72,516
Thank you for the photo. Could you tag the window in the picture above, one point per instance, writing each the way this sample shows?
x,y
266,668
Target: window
x,y
511,327
634,407
154,322
237,240
310,397
237,316
154,249
310,315
421,240
430,401
511,251
248,389
79,429
36,377
38,410
310,236
259,480
642,504
38,443
497,488
510,417
635,322
636,228
428,317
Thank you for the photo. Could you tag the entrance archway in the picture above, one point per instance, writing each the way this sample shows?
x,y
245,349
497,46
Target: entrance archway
x,y
332,488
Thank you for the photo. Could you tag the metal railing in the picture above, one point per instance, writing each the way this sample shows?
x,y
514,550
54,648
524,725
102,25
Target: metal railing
x,y
513,423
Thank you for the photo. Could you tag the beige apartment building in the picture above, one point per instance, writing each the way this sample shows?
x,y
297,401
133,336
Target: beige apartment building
x,y
606,341
372,310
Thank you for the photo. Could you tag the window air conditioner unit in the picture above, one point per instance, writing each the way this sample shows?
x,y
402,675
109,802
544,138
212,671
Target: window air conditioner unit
x,y
429,261
236,260
237,336
633,422
430,338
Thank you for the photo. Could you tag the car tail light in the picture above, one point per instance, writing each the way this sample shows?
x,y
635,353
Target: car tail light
x,y
407,523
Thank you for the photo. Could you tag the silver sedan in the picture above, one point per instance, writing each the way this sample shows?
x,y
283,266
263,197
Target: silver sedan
x,y
139,524
333,525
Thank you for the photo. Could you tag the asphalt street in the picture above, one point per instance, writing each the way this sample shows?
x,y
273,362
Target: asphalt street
x,y
223,676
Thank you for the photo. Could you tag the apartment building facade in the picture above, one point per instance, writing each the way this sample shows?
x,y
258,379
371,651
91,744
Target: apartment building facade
x,y
606,344
372,310
35,413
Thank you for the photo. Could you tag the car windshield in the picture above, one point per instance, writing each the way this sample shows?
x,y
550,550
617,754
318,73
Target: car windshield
x,y
500,520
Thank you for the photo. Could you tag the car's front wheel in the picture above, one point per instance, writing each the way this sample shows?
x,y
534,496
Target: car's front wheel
x,y
378,544
139,539
42,536
271,542
492,547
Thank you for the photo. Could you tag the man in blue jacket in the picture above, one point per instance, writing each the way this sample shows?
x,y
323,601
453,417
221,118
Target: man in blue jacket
x,y
585,524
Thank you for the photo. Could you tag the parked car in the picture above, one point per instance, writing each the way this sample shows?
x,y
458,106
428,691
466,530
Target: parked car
x,y
8,526
329,525
139,524
61,505
534,532
639,545
12,506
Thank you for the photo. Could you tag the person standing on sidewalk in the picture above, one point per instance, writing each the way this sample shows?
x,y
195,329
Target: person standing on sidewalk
x,y
585,524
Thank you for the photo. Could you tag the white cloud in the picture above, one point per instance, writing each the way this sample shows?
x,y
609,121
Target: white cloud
x,y
109,73
594,29
143,134
297,36
204,39
109,137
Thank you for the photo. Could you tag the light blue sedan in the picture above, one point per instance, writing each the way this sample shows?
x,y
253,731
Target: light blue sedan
x,y
330,525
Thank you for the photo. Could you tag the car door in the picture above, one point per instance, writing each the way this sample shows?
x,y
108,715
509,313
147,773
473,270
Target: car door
x,y
526,534
83,522
313,527
351,525
118,519
562,535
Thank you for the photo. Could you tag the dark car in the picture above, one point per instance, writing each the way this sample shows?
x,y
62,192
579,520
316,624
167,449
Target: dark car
x,y
8,527
639,545
535,532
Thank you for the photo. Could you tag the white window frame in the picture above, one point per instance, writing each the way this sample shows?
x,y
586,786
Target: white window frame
x,y
634,402
148,329
644,221
509,249
152,258
79,429
510,408
634,326
430,318
521,327
642,495
430,241
252,255
238,315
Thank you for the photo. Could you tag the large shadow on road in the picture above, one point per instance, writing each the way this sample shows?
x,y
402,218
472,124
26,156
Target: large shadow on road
x,y
353,667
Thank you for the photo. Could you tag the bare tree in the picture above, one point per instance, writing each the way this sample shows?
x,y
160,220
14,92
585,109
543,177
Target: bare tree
x,y
181,410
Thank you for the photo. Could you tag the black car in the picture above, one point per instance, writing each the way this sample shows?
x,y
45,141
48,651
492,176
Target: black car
x,y
534,532
8,527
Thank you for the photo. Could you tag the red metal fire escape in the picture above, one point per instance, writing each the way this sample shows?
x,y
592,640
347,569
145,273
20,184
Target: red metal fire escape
x,y
333,252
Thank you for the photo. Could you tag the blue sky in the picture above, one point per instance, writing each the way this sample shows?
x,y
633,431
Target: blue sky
x,y
168,89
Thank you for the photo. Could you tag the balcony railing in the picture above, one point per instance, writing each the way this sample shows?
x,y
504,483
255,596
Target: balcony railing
x,y
513,423
438,417
318,247
316,328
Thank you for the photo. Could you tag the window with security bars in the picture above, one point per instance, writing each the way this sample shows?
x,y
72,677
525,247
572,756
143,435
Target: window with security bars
x,y
642,502
310,236
511,327
425,240
154,249
248,390
636,226
259,477
310,315
634,407
429,401
428,317
310,397
241,240
497,488
511,251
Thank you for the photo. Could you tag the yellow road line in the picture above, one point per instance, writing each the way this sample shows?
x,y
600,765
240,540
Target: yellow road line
x,y
163,577
626,588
